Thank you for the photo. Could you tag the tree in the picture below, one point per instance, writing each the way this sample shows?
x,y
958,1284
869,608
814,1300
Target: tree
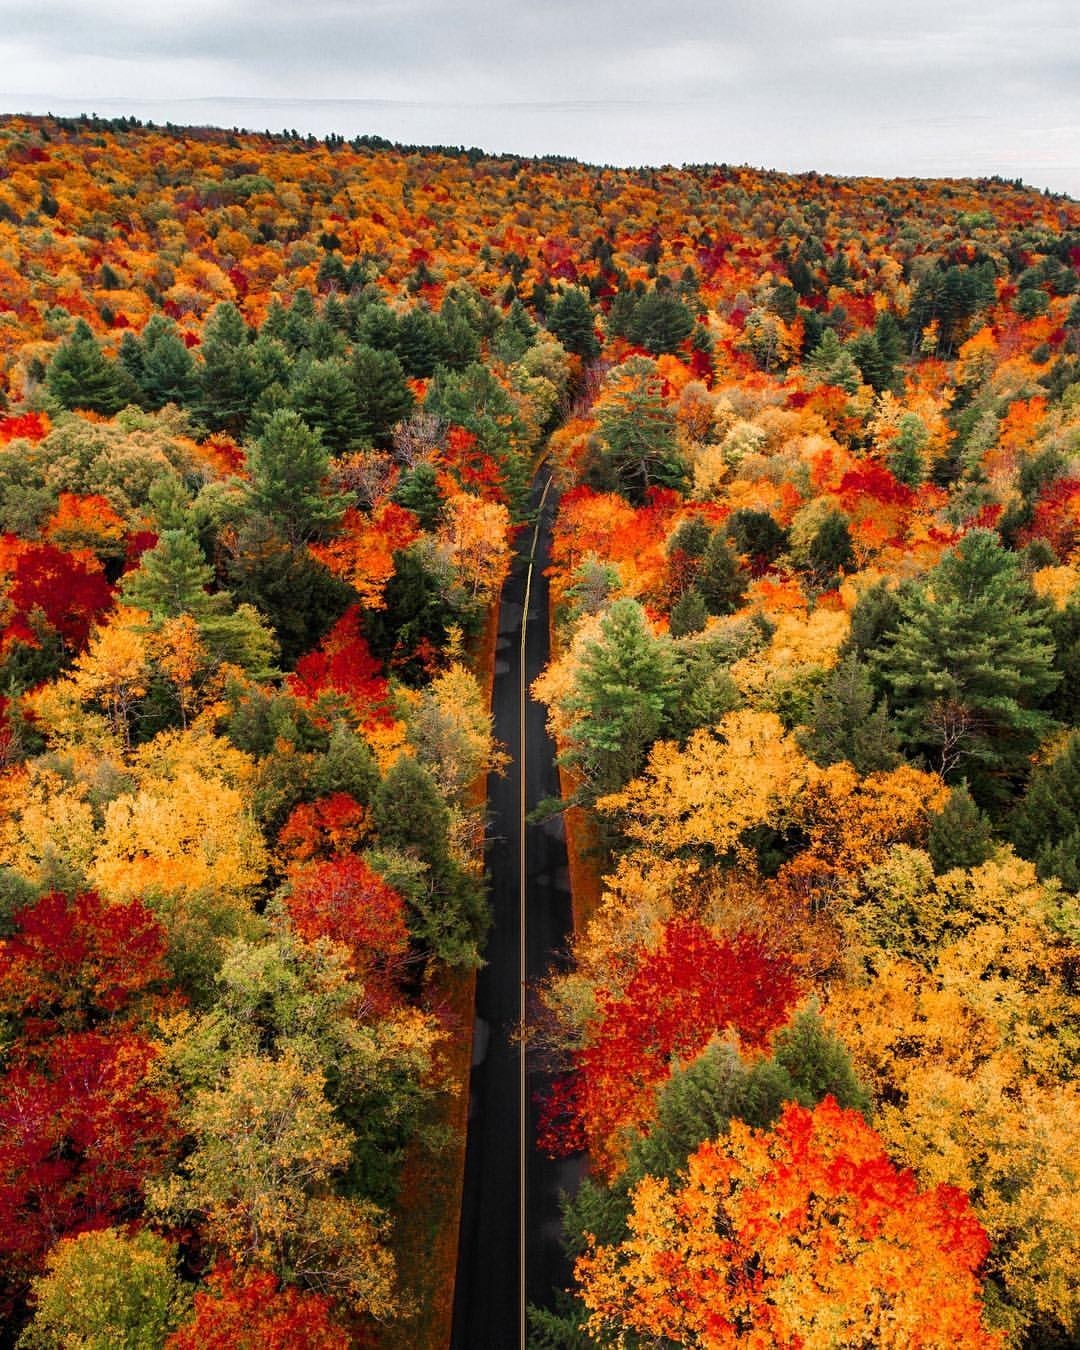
x,y
688,614
171,579
691,987
968,665
660,322
229,381
803,1235
383,398
637,429
162,366
79,375
266,1149
85,1127
253,1310
73,964
571,320
849,723
324,395
720,579
106,1290
960,834
345,901
617,705
1046,825
288,470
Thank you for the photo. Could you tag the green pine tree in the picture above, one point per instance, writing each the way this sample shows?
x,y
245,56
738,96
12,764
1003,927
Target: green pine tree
x,y
968,666
1046,825
960,834
80,376
849,723
619,700
288,465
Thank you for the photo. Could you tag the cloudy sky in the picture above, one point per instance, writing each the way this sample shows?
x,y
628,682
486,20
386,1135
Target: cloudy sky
x,y
922,87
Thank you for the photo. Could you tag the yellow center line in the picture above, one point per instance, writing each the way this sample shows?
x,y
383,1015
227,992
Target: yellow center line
x,y
522,948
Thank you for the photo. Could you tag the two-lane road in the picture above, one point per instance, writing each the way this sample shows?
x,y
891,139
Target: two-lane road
x,y
511,1197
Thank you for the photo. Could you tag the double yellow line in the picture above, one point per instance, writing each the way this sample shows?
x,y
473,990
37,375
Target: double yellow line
x,y
523,1077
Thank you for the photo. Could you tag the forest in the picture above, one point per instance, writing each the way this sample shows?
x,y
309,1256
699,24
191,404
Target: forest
x,y
270,408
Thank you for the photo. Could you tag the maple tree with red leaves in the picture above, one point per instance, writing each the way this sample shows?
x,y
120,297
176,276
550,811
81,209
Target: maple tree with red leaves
x,y
343,665
349,903
81,1131
690,988
251,1310
67,591
73,964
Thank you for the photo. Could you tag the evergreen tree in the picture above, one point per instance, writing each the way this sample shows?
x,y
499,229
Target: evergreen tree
x,y
660,322
347,766
418,491
79,375
1046,825
171,579
288,466
960,834
720,579
905,461
637,431
848,723
166,369
383,397
756,534
1064,703
968,666
619,699
229,381
324,395
421,343
688,614
830,551
572,321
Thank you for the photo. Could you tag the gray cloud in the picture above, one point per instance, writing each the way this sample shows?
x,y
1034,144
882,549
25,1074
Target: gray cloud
x,y
859,86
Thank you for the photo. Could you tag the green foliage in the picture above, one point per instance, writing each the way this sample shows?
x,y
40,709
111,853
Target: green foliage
x,y
229,380
968,665
79,375
619,700
572,321
383,398
171,579
323,394
347,766
418,491
106,1290
637,431
960,834
720,579
1045,827
688,614
660,322
288,466
848,722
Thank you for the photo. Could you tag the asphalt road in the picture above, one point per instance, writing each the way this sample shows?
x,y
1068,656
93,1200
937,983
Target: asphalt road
x,y
488,1297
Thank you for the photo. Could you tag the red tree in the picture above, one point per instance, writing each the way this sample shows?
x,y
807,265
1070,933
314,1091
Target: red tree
x,y
692,986
248,1311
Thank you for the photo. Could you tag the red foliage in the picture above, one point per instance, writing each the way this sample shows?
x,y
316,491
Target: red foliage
x,y
346,901
31,426
331,825
70,592
79,1136
249,1311
1056,517
343,664
74,963
471,468
692,986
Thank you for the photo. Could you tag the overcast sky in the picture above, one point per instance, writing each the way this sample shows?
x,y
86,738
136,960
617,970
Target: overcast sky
x,y
922,87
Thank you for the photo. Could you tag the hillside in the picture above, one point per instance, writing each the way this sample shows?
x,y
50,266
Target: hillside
x,y
269,412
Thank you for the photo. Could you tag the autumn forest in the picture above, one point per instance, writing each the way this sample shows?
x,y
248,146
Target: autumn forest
x,y
272,410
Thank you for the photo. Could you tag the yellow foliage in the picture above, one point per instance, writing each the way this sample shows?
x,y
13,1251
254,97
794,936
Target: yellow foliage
x,y
746,771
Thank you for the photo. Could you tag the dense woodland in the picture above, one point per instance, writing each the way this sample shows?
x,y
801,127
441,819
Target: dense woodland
x,y
270,408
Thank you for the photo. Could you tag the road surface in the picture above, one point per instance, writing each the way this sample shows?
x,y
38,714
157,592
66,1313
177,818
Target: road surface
x,y
491,1276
